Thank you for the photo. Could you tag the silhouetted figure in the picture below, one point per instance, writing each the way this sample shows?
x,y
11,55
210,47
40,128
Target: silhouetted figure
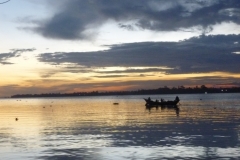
x,y
177,99
149,99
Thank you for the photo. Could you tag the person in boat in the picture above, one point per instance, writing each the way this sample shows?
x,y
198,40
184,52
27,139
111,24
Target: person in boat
x,y
177,99
162,100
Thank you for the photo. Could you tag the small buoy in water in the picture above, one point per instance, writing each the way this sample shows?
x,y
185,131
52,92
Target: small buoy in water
x,y
16,119
115,103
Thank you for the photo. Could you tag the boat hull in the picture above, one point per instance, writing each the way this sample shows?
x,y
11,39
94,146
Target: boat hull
x,y
164,103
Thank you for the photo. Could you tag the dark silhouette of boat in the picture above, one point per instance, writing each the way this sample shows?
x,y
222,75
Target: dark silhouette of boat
x,y
173,103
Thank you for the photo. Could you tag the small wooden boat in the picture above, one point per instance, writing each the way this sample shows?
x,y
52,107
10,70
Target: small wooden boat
x,y
150,102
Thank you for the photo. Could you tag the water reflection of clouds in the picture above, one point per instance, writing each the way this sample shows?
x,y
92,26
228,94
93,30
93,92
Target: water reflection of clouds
x,y
161,134
151,141
154,153
201,134
59,141
239,134
197,133
127,131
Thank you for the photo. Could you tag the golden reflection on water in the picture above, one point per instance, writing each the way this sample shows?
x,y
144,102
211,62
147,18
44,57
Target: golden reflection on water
x,y
35,114
49,125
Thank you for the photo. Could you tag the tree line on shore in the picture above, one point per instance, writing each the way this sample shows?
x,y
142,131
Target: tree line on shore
x,y
163,90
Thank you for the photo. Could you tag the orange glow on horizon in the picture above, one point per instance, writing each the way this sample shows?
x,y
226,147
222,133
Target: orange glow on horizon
x,y
71,82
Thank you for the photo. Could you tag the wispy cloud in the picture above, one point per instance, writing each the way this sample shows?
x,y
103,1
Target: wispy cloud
x,y
5,57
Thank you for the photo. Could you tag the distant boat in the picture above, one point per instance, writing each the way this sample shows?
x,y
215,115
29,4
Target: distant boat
x,y
150,102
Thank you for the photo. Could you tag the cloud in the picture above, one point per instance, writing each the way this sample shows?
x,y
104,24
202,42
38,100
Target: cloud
x,y
80,19
4,57
198,54
111,76
19,51
66,68
136,70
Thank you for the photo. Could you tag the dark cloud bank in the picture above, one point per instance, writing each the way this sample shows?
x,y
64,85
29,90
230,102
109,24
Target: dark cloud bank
x,y
75,17
198,54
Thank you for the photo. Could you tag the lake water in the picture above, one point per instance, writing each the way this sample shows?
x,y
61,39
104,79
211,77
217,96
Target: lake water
x,y
206,126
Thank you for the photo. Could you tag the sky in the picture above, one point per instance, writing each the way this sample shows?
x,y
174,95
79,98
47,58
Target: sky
x,y
70,46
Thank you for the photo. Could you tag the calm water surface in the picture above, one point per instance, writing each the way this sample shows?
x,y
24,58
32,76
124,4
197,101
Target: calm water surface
x,y
206,126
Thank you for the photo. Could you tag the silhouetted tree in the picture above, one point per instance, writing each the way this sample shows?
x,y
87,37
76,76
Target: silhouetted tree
x,y
203,87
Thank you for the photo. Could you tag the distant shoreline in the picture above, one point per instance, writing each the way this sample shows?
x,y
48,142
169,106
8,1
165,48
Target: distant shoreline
x,y
165,90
